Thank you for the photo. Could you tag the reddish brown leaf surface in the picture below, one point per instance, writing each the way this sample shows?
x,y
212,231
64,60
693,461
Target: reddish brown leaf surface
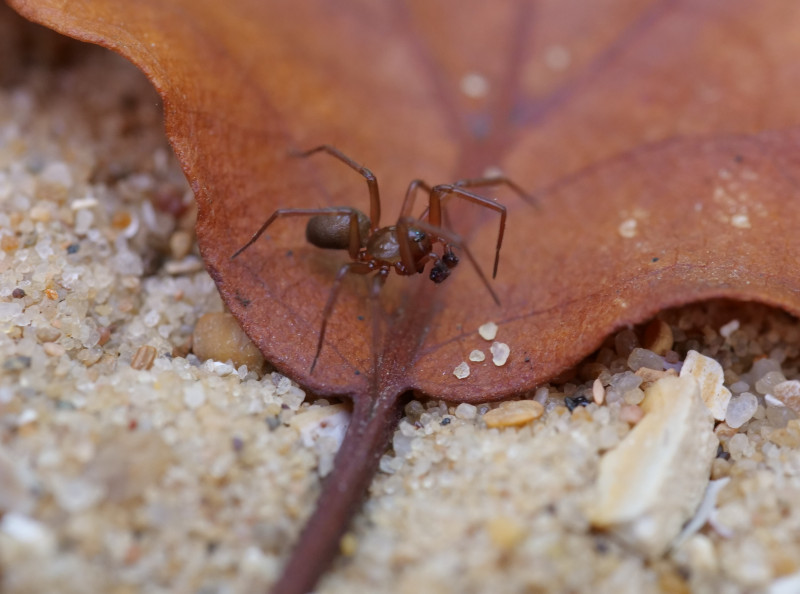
x,y
612,111
658,137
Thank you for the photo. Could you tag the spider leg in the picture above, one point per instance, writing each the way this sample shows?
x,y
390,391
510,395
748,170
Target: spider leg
x,y
497,180
445,236
372,182
357,267
408,201
435,211
355,235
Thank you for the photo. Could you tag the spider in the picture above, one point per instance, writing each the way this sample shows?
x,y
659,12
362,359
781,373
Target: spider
x,y
405,247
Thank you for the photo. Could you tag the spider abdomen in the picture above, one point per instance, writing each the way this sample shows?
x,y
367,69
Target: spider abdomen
x,y
332,232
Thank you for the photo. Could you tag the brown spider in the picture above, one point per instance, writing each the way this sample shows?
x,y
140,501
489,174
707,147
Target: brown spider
x,y
405,247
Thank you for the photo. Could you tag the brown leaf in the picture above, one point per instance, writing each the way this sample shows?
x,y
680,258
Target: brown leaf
x,y
658,137
591,113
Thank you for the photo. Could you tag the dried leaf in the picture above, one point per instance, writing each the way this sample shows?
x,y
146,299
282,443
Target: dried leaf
x,y
659,138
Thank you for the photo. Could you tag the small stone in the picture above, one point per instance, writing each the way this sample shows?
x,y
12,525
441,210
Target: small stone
x,y
644,358
53,349
466,411
9,310
40,214
81,203
462,370
194,395
218,336
505,532
144,357
488,331
477,356
500,352
631,413
513,413
47,334
634,396
625,341
17,363
770,400
25,530
768,381
651,483
788,392
186,265
729,328
8,243
57,173
329,422
573,402
598,392
29,415
725,431
658,337
741,409
628,228
740,221
77,494
348,545
651,375
779,416
740,446
180,244
786,584
709,376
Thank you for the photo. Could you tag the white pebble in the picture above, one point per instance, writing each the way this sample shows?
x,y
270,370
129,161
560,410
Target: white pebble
x,y
740,221
28,531
324,422
462,370
708,373
28,415
44,248
500,352
77,495
477,356
627,228
645,358
768,381
194,395
81,203
772,401
83,221
488,331
220,368
729,328
151,318
741,409
57,173
9,310
466,411
294,397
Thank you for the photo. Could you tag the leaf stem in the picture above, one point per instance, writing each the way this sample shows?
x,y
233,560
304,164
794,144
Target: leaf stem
x,y
371,428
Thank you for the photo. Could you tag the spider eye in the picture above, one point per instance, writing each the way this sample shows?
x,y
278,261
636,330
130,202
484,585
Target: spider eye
x,y
418,235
